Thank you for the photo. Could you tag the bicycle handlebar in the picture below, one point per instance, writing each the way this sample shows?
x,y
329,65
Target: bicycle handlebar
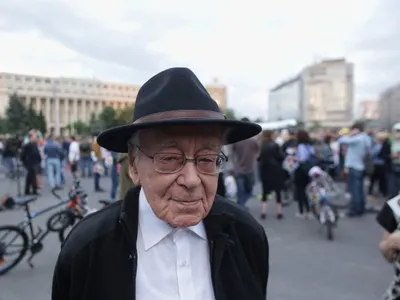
x,y
53,191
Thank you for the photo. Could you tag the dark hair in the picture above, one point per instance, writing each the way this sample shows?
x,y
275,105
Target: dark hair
x,y
245,119
72,138
267,135
303,137
358,125
327,139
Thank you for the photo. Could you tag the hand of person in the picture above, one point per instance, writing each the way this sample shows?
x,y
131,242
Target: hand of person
x,y
391,246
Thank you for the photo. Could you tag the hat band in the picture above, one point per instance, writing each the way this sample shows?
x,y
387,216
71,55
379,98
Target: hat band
x,y
181,114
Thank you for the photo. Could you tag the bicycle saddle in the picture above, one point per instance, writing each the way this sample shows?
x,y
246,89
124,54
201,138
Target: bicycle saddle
x,y
23,200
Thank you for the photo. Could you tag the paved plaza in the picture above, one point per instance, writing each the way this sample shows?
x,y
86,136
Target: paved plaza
x,y
303,264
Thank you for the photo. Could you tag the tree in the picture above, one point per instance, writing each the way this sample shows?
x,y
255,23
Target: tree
x,y
41,123
3,126
230,114
95,125
80,128
108,117
17,116
125,116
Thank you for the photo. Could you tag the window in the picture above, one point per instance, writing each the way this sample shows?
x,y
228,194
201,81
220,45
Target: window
x,y
47,81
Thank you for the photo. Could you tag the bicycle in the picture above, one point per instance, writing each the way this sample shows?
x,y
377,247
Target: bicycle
x,y
32,240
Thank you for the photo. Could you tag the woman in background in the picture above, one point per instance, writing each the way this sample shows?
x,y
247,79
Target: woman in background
x,y
272,174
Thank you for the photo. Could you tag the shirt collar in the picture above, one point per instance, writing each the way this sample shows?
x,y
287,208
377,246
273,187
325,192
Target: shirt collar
x,y
153,229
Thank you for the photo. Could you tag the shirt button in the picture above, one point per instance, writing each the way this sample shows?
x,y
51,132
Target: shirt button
x,y
183,264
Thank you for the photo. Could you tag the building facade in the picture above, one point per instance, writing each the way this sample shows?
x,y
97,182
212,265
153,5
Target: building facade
x,y
368,110
285,100
329,93
389,107
67,100
326,94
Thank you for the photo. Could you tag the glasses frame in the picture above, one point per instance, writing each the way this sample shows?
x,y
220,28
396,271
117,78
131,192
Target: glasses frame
x,y
185,160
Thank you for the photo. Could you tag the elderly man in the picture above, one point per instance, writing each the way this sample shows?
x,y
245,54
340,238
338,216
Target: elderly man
x,y
171,237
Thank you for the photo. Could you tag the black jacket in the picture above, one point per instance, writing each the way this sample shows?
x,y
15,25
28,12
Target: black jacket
x,y
98,261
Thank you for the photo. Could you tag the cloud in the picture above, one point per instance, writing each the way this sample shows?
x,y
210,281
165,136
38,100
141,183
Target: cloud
x,y
377,50
250,46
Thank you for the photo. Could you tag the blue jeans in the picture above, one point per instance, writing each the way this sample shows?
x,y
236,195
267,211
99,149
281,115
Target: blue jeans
x,y
9,164
356,186
97,181
53,170
114,182
245,183
86,163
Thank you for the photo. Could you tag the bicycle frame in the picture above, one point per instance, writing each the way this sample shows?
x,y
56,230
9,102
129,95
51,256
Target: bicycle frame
x,y
30,216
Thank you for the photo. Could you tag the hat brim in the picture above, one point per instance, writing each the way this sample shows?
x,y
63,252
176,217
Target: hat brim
x,y
116,139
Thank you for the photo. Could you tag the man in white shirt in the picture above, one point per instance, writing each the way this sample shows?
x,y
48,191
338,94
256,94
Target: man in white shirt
x,y
171,237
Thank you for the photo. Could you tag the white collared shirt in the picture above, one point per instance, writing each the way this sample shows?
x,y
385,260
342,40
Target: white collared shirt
x,y
173,264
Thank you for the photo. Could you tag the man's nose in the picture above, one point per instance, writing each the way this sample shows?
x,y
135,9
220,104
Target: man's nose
x,y
189,176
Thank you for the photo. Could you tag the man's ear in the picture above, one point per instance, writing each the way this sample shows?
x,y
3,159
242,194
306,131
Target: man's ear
x,y
133,173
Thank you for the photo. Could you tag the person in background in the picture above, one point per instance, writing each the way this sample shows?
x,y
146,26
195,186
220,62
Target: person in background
x,y
74,156
380,157
244,156
394,177
125,182
114,175
98,167
31,159
272,173
305,157
53,152
86,164
358,148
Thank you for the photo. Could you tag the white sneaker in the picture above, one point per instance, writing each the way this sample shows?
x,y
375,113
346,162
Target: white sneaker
x,y
310,216
299,215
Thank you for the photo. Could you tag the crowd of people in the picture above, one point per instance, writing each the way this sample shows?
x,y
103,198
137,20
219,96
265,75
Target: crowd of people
x,y
281,161
50,157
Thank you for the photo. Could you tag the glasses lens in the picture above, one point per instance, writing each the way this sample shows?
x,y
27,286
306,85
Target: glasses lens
x,y
210,164
168,162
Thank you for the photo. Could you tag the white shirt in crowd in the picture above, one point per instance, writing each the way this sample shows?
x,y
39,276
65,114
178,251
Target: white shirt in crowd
x,y
230,186
173,264
74,152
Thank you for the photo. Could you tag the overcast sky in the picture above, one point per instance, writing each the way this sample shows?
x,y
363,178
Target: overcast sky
x,y
250,46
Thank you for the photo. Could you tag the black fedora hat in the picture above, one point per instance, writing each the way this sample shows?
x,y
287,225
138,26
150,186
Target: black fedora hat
x,y
174,96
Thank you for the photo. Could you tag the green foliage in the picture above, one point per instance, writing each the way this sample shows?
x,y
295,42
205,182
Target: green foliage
x,y
80,128
17,116
108,117
19,119
230,114
125,115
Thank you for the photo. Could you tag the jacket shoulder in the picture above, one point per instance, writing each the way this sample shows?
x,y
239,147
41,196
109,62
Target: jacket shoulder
x,y
239,215
91,228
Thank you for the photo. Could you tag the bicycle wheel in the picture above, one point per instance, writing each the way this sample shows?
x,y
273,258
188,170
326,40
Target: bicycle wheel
x,y
7,247
60,221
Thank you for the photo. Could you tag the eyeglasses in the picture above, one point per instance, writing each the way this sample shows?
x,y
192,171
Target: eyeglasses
x,y
168,163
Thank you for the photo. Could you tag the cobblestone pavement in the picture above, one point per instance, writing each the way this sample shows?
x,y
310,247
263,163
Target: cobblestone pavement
x,y
303,264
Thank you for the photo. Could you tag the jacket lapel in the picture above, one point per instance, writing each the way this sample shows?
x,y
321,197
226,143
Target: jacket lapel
x,y
217,225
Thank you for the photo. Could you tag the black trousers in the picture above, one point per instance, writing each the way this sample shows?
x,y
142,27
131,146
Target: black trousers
x,y
379,175
301,181
31,180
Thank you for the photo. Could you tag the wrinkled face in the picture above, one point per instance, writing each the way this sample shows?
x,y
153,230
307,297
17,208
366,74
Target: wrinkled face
x,y
183,198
